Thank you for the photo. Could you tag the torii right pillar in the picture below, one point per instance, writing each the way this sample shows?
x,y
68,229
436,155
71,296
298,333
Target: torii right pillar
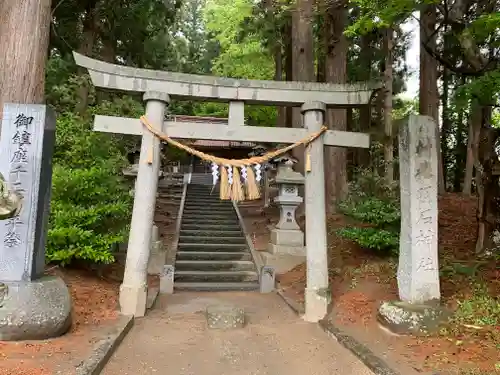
x,y
317,293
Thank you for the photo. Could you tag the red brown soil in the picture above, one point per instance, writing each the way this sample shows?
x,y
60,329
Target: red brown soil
x,y
360,281
94,307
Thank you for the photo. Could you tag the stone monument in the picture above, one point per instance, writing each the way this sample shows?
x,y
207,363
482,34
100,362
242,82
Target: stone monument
x,y
34,306
418,269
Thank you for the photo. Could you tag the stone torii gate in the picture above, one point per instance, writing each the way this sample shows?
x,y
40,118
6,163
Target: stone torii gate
x,y
158,87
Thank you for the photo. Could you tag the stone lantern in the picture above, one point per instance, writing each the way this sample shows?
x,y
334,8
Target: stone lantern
x,y
287,237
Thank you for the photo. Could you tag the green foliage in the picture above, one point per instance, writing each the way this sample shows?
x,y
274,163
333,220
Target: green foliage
x,y
239,57
77,146
372,210
403,108
380,14
484,88
374,202
89,214
479,309
90,206
380,240
139,32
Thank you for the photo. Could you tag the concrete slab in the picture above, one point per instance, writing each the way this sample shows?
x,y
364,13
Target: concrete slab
x,y
174,339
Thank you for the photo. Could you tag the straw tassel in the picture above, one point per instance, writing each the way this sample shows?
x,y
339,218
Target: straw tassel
x,y
225,192
237,193
253,191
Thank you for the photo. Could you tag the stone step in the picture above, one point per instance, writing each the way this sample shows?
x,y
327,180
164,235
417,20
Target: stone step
x,y
226,247
196,205
210,287
177,192
203,200
193,195
171,196
214,265
210,226
211,219
205,220
209,215
210,208
211,233
208,211
170,185
212,239
213,255
215,276
198,195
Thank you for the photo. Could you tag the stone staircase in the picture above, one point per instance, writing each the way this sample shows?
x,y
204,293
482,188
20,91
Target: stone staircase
x,y
212,253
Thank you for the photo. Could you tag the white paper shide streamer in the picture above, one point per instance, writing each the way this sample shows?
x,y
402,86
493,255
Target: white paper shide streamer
x,y
244,174
215,173
229,174
258,173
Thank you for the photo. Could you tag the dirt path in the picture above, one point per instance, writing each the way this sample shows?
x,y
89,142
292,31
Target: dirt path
x,y
174,339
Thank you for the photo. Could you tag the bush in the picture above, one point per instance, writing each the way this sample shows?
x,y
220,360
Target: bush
x,y
374,202
90,206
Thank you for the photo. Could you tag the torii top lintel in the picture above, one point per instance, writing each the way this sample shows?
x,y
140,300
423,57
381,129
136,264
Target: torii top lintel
x,y
192,86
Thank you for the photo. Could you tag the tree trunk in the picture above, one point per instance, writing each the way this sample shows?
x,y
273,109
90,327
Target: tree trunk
x,y
429,94
288,60
446,122
363,155
335,72
86,48
320,48
472,146
278,59
278,76
108,52
24,39
388,80
460,154
488,186
302,59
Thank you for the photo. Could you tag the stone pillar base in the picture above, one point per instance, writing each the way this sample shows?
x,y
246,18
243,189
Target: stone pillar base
x,y
36,310
281,262
133,300
167,279
316,305
267,279
408,319
287,241
156,258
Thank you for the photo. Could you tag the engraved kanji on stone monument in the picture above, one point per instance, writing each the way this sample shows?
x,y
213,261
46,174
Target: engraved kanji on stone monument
x,y
418,272
27,143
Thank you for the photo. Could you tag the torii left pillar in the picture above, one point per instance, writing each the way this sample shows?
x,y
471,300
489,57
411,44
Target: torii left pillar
x,y
133,291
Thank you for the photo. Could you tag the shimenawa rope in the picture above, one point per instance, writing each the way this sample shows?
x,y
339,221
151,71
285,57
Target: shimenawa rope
x,y
231,187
